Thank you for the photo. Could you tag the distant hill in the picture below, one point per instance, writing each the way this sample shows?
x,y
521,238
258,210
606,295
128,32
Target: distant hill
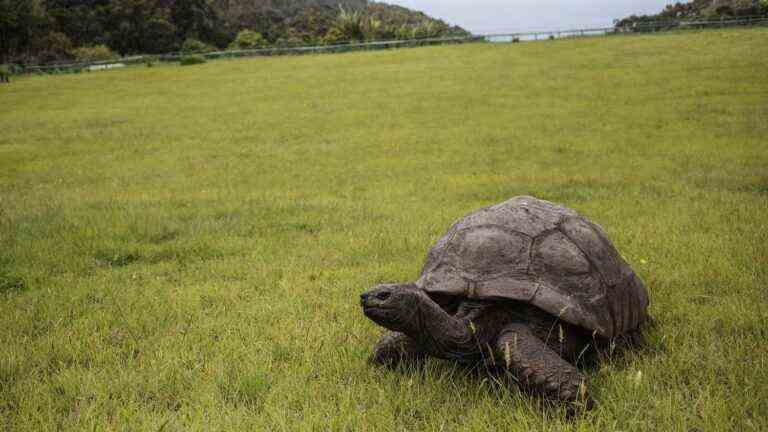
x,y
701,9
54,30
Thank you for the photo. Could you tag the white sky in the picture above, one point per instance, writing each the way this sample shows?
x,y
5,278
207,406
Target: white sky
x,y
484,16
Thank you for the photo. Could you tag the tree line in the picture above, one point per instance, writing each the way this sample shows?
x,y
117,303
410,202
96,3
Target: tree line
x,y
698,10
46,31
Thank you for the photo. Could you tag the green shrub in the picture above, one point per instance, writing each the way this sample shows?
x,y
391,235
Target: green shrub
x,y
5,74
427,30
333,37
350,25
193,59
247,39
195,46
93,53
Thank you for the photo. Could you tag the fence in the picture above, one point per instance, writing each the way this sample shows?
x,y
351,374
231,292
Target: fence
x,y
269,51
634,28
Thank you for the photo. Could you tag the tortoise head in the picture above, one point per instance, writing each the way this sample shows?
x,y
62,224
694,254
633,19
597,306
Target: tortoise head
x,y
393,306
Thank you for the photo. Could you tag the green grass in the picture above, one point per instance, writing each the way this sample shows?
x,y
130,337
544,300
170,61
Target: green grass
x,y
183,248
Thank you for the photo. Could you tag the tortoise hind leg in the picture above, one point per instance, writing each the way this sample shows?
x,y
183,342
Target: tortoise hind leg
x,y
539,368
396,348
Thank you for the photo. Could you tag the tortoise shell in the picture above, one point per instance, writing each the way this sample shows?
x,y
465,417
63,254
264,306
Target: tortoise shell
x,y
544,254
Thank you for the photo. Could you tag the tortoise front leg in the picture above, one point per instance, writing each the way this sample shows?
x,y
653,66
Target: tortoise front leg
x,y
396,348
538,368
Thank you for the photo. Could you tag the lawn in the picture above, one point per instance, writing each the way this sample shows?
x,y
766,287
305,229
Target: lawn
x,y
182,248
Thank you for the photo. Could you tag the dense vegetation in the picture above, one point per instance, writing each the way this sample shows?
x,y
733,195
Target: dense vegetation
x,y
698,10
183,248
40,31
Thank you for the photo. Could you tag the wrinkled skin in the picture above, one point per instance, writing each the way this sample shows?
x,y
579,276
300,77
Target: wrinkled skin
x,y
536,349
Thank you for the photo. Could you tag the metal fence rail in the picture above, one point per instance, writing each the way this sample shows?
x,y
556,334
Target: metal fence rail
x,y
343,47
638,27
268,51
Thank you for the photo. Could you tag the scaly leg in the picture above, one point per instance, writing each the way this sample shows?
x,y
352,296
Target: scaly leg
x,y
538,368
396,348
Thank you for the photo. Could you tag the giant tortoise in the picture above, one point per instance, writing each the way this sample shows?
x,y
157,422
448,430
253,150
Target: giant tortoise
x,y
527,286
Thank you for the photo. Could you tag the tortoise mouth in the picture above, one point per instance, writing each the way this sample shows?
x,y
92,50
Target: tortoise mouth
x,y
381,315
375,310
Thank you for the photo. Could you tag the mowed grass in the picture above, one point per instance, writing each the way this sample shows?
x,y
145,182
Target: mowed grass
x,y
183,248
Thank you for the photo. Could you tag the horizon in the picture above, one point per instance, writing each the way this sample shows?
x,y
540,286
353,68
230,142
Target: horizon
x,y
486,16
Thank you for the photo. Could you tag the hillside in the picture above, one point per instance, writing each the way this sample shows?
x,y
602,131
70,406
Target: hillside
x,y
40,31
701,9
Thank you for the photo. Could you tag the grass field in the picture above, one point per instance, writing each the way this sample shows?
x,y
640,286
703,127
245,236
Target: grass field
x,y
183,248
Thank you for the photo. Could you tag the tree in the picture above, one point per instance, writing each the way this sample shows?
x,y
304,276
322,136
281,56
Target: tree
x,y
194,19
141,26
82,21
54,46
20,23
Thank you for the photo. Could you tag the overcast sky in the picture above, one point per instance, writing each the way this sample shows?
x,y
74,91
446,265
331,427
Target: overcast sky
x,y
483,16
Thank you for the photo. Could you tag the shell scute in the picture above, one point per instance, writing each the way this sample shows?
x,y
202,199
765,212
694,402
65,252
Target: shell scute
x,y
556,254
489,251
591,239
444,279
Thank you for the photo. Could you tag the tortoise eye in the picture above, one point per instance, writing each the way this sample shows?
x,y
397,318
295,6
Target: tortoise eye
x,y
383,295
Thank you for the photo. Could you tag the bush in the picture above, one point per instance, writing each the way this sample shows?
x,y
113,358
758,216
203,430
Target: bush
x,y
333,37
93,53
426,30
193,59
247,39
349,26
5,74
54,46
195,46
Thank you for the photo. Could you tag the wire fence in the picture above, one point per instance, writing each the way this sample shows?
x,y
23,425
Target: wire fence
x,y
637,27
